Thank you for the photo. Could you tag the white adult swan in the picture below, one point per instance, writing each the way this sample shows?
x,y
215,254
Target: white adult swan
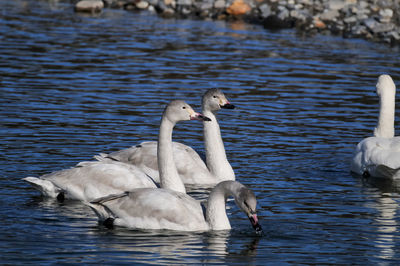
x,y
91,180
191,167
147,208
379,156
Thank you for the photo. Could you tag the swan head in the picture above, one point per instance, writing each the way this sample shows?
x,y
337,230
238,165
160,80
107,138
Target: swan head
x,y
214,100
178,110
247,202
385,85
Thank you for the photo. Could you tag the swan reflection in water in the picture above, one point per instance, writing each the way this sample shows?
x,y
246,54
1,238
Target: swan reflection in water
x,y
166,247
386,203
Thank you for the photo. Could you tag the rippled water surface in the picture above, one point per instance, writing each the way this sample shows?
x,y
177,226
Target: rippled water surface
x,y
74,85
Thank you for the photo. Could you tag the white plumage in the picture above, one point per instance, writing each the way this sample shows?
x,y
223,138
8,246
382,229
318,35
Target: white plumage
x,y
191,168
379,156
148,208
91,180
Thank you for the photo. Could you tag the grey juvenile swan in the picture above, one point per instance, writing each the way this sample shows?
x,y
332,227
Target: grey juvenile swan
x,y
91,180
190,166
153,208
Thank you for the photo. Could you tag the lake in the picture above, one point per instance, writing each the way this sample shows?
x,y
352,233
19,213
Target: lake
x,y
74,85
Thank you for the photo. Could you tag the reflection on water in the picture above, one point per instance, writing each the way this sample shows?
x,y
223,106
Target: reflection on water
x,y
386,204
75,85
387,226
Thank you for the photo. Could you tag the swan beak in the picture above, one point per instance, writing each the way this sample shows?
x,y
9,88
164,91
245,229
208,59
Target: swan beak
x,y
198,116
226,104
254,222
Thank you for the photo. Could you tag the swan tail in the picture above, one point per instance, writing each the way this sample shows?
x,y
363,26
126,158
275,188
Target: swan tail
x,y
101,157
386,171
46,187
105,215
109,198
101,211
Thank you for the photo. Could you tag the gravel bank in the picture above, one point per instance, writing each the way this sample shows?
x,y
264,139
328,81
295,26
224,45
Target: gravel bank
x,y
375,20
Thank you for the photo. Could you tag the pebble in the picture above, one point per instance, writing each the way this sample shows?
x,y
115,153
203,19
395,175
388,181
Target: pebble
x,y
385,15
375,20
329,15
219,4
238,8
265,10
89,6
142,5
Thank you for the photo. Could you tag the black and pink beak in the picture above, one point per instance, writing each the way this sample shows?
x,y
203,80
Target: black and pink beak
x,y
254,222
227,105
198,116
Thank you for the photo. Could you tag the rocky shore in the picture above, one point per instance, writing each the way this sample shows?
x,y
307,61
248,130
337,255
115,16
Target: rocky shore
x,y
375,20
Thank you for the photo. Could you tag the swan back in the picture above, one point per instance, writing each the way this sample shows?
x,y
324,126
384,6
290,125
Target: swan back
x,y
386,90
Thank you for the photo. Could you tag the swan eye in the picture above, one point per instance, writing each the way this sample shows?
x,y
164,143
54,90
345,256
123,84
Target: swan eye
x,y
214,96
184,107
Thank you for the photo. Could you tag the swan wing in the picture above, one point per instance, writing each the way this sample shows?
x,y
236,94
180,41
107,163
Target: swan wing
x,y
191,168
377,156
385,172
90,180
152,209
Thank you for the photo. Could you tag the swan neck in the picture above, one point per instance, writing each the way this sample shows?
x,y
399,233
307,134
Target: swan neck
x,y
385,127
216,160
169,177
216,206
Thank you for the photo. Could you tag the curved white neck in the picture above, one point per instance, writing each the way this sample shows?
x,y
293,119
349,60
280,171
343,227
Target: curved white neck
x,y
169,177
216,205
216,160
385,127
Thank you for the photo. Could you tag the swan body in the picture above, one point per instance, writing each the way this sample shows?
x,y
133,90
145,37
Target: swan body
x,y
188,162
147,208
379,156
91,180
191,168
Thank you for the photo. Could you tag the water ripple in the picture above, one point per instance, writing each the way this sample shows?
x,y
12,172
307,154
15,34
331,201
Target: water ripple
x,y
74,85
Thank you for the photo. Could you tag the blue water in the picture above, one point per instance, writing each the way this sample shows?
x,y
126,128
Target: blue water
x,y
75,85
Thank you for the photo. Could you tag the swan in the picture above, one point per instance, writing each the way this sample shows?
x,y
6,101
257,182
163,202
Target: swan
x,y
148,208
379,156
191,167
91,180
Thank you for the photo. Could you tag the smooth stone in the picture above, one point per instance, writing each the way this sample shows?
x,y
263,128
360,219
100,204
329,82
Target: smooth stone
x,y
238,8
206,6
387,12
219,4
89,6
329,15
352,19
265,10
370,23
394,35
142,5
336,4
385,15
300,15
284,13
184,2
